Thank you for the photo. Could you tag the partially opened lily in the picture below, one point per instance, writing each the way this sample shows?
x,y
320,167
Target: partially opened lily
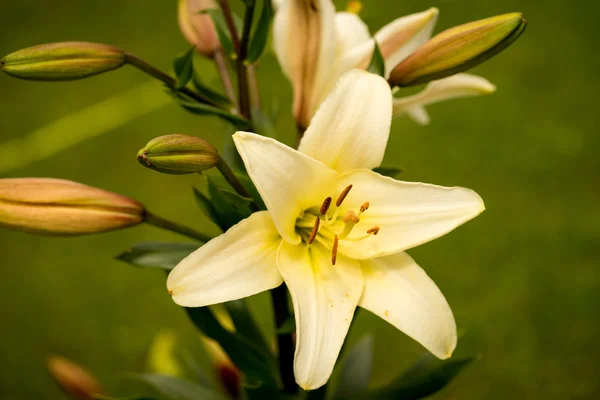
x,y
335,232
315,46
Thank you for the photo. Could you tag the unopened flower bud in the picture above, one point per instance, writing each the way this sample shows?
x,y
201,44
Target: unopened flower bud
x,y
459,49
64,208
198,28
227,373
73,379
178,155
62,61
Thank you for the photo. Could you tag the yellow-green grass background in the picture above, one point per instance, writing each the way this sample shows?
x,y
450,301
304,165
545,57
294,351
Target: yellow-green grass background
x,y
522,279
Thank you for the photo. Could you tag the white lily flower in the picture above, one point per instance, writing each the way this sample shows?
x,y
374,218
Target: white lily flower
x,y
335,232
315,46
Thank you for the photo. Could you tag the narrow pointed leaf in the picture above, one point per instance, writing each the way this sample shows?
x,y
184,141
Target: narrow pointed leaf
x,y
377,63
222,31
392,172
210,93
357,368
244,323
261,33
204,109
208,209
238,202
288,327
157,254
184,67
257,365
179,389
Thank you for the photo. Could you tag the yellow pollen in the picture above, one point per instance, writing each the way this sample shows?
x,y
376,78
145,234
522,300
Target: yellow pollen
x,y
315,229
342,196
325,206
354,6
364,207
334,250
373,231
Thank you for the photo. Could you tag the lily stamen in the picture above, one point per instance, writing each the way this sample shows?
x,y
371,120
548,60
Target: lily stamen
x,y
373,231
334,250
364,207
315,230
325,206
342,196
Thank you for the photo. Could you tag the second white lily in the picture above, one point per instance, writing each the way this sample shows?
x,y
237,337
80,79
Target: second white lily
x,y
335,232
315,46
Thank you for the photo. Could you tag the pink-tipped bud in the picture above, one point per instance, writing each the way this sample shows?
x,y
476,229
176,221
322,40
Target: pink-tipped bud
x,y
73,379
198,28
64,208
227,373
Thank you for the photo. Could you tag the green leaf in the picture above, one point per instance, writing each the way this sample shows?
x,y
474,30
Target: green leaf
x,y
184,67
157,254
101,397
357,368
216,14
392,172
237,201
263,393
208,209
216,97
228,215
426,377
261,33
244,323
205,109
288,326
249,185
263,124
256,364
179,389
377,64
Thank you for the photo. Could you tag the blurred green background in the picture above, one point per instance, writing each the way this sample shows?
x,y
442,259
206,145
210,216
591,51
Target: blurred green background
x,y
522,279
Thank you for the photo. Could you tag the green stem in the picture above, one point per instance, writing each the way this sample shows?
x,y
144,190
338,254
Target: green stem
x,y
167,79
242,66
235,183
318,394
221,64
175,227
230,24
285,342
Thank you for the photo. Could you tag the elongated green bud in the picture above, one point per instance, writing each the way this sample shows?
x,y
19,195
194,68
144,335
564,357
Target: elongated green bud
x,y
178,155
62,61
459,49
73,379
64,208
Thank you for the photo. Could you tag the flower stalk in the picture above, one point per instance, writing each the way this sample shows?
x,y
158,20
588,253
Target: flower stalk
x,y
162,223
235,183
285,342
166,78
242,66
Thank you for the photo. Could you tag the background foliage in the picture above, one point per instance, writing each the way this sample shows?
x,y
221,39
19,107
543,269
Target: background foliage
x,y
522,279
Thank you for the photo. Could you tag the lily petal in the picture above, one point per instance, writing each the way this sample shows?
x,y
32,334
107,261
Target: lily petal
x,y
351,128
304,42
456,86
351,32
401,37
324,297
288,181
239,263
407,213
400,292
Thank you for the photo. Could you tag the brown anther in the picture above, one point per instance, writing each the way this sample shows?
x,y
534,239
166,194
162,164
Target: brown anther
x,y
342,196
373,231
334,250
364,207
315,229
325,206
